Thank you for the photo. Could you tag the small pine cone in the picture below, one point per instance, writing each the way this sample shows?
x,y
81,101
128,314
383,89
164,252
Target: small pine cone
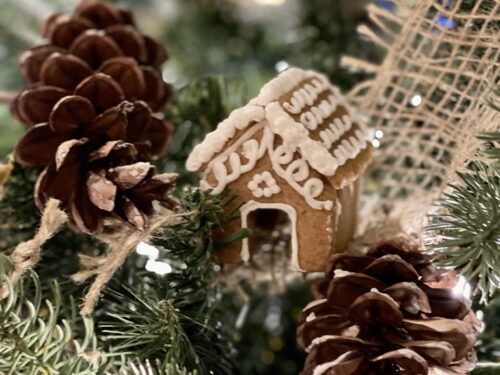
x,y
97,38
379,315
97,184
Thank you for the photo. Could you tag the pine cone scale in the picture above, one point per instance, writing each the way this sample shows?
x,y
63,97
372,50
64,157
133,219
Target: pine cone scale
x,y
32,60
375,308
346,289
71,113
410,297
35,105
63,30
38,146
64,71
129,41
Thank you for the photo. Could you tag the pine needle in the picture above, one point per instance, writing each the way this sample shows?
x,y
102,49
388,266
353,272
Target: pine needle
x,y
35,337
470,230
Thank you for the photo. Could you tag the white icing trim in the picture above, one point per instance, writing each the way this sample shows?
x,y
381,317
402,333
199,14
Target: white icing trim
x,y
215,141
252,151
296,172
318,114
296,136
280,85
292,215
305,96
263,185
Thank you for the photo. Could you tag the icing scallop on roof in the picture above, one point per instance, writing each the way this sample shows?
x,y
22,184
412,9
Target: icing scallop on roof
x,y
215,141
283,83
304,89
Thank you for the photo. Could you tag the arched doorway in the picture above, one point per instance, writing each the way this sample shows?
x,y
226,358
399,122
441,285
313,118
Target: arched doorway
x,y
265,219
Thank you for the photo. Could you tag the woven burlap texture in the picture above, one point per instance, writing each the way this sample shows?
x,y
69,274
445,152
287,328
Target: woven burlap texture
x,y
428,98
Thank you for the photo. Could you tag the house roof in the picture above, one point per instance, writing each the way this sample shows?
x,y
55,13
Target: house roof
x,y
299,107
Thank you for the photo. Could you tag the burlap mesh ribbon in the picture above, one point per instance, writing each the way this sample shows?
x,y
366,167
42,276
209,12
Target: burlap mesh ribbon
x,y
429,96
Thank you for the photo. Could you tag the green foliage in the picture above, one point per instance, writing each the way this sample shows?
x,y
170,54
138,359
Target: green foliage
x,y
10,131
327,31
492,139
209,37
18,214
173,321
35,338
488,347
492,149
469,229
177,318
266,328
487,369
157,369
196,110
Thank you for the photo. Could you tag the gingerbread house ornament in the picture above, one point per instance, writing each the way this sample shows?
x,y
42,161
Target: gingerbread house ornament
x,y
296,148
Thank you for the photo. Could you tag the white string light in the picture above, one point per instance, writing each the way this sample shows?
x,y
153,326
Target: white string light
x,y
416,100
152,253
462,287
270,2
281,66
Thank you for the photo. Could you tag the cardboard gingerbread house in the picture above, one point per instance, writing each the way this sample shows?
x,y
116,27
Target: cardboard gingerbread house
x,y
296,148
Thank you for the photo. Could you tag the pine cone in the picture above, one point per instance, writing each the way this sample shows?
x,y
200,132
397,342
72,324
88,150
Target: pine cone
x,y
378,315
93,130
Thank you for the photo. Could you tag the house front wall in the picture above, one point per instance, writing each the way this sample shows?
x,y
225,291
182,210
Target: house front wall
x,y
315,229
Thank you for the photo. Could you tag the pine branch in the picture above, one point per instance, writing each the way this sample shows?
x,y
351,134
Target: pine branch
x,y
196,110
35,337
19,216
470,229
147,327
492,139
157,369
487,369
174,319
492,148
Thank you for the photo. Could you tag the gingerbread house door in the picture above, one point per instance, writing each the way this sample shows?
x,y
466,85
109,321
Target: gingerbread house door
x,y
274,214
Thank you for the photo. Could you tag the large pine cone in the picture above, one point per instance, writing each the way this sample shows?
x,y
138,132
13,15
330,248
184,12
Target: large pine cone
x,y
90,102
379,315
